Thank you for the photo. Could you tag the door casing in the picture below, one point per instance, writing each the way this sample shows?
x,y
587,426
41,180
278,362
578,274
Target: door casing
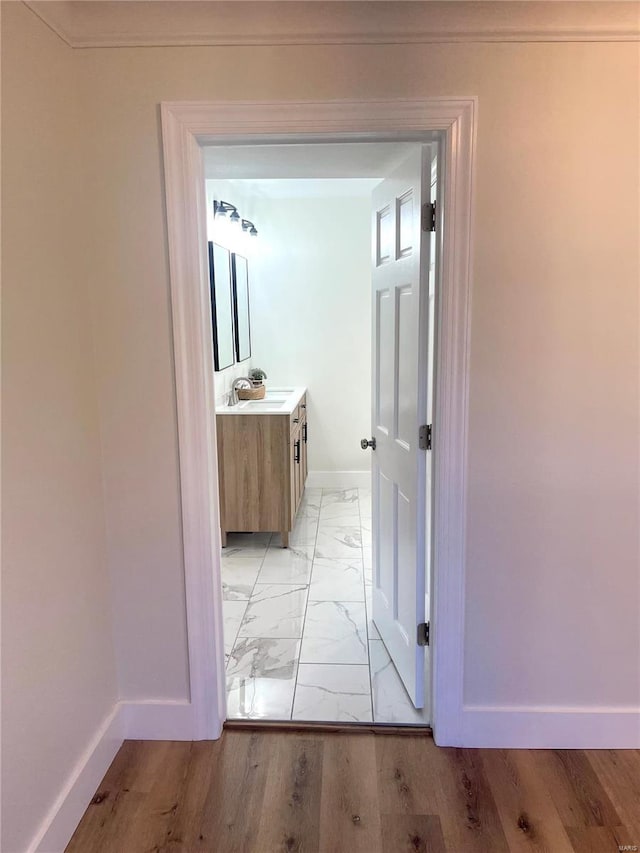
x,y
186,128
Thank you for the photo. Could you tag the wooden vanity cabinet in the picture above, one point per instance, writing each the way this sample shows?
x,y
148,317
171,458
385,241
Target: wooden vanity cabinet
x,y
262,470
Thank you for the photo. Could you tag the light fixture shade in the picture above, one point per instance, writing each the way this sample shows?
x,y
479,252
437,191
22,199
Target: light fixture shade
x,y
221,208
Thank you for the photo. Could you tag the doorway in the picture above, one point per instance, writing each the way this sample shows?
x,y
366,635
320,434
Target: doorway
x,y
187,128
299,221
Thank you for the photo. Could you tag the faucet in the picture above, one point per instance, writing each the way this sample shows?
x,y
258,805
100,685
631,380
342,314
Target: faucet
x,y
233,394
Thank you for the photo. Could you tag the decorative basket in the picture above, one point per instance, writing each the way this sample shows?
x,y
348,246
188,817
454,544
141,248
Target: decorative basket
x,y
255,393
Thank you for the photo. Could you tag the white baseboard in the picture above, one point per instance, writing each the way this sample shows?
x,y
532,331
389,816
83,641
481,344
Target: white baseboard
x,y
338,480
157,719
150,720
64,815
546,727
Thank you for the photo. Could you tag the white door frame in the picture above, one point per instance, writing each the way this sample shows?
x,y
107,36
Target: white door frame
x,y
186,127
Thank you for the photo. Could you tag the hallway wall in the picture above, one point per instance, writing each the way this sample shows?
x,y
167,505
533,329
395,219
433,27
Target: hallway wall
x,y
58,671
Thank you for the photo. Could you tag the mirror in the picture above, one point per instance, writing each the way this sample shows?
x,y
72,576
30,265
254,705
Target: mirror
x,y
240,273
221,306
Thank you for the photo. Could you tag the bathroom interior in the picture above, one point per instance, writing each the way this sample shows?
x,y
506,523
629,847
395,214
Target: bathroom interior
x,y
289,230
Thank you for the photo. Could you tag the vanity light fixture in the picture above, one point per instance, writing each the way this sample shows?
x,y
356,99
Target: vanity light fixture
x,y
221,208
249,227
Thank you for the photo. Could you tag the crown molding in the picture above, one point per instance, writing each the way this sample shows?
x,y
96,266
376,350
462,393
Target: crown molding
x,y
182,23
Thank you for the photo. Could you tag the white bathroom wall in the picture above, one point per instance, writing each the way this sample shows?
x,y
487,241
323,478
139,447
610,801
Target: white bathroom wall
x,y
311,318
232,192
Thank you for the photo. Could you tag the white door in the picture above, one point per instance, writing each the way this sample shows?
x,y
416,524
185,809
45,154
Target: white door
x,y
400,277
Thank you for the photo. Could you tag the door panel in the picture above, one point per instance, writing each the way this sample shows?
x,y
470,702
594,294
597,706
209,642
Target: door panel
x,y
384,559
384,392
400,269
405,410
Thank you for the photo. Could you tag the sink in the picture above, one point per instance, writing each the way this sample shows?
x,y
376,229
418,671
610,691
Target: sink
x,y
271,400
273,403
276,396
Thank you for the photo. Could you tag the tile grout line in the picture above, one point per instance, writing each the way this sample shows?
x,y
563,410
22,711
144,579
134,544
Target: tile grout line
x,y
306,607
334,559
366,620
255,583
235,639
366,615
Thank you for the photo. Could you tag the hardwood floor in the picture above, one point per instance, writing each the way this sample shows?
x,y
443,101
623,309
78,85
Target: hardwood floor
x,y
301,792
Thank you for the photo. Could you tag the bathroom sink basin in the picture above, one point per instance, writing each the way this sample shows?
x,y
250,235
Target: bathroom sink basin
x,y
267,403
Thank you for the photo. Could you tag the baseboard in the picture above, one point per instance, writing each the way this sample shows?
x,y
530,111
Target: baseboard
x,y
338,480
157,719
545,727
150,720
60,822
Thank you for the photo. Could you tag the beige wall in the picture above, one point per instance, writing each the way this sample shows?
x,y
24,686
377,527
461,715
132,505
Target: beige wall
x,y
58,678
552,553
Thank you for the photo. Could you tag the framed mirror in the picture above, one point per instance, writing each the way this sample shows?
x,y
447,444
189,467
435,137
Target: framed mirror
x,y
240,276
221,306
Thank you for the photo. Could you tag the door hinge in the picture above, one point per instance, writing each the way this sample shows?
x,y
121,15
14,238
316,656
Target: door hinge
x,y
424,437
429,216
423,634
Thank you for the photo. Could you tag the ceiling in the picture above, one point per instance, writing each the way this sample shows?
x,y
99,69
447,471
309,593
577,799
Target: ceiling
x,y
266,163
140,23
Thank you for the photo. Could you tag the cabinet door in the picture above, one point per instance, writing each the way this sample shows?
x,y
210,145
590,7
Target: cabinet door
x,y
296,467
304,460
301,469
304,435
293,477
299,472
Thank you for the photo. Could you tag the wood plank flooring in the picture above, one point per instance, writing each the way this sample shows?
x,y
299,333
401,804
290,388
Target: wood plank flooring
x,y
328,792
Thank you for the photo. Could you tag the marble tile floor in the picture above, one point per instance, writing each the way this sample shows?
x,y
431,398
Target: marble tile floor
x,y
299,640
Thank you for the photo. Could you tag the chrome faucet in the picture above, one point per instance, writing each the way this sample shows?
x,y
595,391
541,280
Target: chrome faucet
x,y
233,394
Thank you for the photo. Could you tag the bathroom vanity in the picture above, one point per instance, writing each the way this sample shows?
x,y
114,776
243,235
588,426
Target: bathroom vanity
x,y
262,462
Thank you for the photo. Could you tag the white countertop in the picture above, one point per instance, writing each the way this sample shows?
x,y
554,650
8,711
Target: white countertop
x,y
277,401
